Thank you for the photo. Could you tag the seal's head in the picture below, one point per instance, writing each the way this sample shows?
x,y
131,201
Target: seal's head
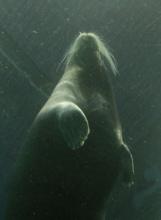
x,y
87,50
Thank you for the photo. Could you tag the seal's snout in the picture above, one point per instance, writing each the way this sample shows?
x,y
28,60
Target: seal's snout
x,y
87,41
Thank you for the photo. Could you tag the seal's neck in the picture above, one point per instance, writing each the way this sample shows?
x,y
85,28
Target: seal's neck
x,y
88,76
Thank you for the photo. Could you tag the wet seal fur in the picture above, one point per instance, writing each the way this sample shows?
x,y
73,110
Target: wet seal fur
x,y
75,150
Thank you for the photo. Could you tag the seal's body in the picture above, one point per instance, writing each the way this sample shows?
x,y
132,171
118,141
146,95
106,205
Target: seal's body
x,y
75,150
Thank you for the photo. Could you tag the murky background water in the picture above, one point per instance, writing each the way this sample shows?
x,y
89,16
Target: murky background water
x,y
34,36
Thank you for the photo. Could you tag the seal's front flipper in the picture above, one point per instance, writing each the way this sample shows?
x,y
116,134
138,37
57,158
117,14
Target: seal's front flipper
x,y
73,124
127,165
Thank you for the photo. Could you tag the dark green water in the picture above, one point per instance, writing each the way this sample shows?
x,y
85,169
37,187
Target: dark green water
x,y
34,36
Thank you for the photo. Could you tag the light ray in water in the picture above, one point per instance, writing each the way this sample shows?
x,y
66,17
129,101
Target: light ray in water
x,y
27,77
